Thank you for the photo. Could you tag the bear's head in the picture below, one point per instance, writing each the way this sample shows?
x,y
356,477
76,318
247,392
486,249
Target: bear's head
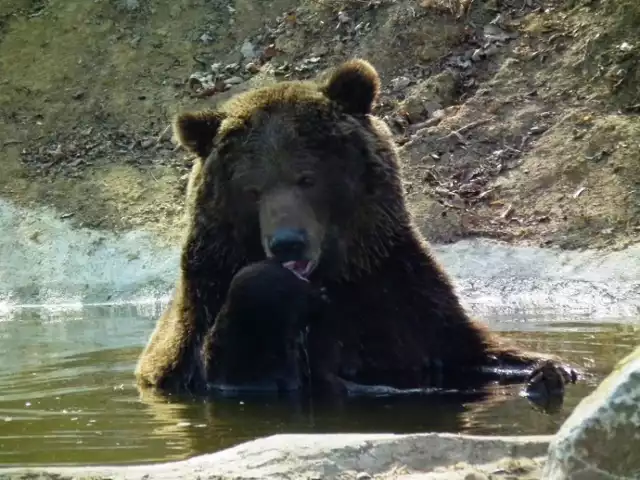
x,y
300,171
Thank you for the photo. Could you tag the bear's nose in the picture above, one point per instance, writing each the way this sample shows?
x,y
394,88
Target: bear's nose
x,y
288,244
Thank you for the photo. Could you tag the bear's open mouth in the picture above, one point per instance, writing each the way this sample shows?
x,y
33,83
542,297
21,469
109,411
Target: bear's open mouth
x,y
301,268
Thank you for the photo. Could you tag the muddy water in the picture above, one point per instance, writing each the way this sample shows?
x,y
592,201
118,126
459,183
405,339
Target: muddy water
x,y
67,396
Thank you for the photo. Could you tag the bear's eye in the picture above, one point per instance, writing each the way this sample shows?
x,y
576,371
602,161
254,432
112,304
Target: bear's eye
x,y
252,193
306,181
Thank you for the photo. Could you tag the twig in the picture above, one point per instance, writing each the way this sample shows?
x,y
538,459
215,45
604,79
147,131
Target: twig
x,y
457,133
508,147
206,92
162,134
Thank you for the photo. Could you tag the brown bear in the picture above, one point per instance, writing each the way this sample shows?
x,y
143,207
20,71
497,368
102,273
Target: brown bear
x,y
302,267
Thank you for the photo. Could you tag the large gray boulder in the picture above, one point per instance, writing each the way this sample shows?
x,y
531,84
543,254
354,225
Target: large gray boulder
x,y
601,438
433,456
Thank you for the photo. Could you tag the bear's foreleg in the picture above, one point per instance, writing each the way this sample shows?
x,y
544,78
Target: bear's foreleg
x,y
258,341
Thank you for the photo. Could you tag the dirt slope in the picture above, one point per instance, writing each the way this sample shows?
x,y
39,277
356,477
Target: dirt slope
x,y
517,119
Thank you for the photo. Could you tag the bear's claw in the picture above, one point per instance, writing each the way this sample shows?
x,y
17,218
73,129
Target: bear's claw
x,y
545,386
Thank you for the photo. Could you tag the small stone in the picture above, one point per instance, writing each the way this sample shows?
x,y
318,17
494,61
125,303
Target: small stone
x,y
343,17
463,63
625,47
439,114
234,80
206,38
491,50
493,33
194,82
537,129
131,4
400,83
475,476
252,67
477,55
248,50
432,107
216,67
147,143
363,476
57,154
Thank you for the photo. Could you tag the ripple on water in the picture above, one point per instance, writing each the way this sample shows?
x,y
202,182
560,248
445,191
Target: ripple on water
x,y
68,395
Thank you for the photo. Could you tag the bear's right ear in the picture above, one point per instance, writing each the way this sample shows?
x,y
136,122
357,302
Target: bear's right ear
x,y
196,130
354,86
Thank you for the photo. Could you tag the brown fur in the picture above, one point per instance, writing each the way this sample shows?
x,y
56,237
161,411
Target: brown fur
x,y
393,316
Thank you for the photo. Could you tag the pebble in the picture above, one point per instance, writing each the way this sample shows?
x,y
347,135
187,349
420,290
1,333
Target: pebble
x,y
234,80
252,67
206,38
491,50
475,476
432,108
57,154
400,83
131,4
343,17
194,81
477,55
147,143
248,50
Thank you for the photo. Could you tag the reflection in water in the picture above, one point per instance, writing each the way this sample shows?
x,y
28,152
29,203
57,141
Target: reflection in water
x,y
67,394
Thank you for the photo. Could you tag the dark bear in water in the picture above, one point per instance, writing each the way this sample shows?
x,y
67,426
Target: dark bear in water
x,y
301,265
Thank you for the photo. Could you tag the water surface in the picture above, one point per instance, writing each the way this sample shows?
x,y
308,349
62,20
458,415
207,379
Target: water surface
x,y
67,394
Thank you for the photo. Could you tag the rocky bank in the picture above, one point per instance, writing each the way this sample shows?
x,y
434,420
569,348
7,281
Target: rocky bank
x,y
517,120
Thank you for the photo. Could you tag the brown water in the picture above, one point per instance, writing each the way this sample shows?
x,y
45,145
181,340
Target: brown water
x,y
67,393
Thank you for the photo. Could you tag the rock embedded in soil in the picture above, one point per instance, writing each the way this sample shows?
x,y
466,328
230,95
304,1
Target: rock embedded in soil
x,y
234,80
131,4
400,83
601,438
247,50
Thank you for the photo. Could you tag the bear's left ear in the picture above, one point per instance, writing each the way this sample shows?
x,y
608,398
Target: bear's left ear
x,y
354,85
196,130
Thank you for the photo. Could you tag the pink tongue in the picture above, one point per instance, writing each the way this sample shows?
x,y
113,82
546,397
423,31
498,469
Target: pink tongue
x,y
298,266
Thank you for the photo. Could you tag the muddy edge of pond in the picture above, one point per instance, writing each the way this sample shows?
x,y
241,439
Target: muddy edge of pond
x,y
432,455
